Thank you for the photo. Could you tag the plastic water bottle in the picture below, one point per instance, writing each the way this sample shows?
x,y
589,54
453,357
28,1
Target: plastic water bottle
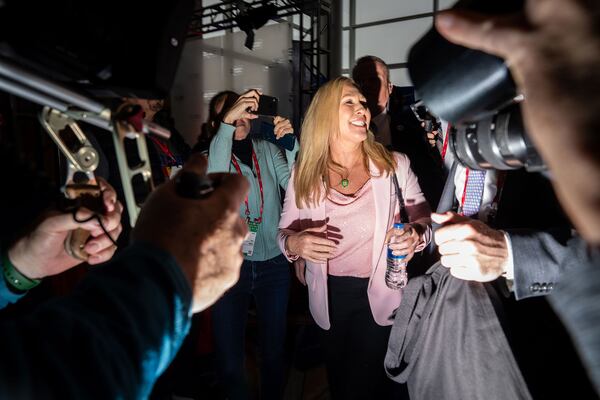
x,y
395,274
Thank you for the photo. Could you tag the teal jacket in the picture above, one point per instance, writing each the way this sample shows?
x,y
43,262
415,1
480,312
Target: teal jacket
x,y
275,172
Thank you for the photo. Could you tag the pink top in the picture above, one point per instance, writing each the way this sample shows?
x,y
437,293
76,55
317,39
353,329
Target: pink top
x,y
383,300
350,215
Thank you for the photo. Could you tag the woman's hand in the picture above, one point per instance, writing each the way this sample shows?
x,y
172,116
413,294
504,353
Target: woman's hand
x,y
283,127
403,241
311,246
241,108
299,269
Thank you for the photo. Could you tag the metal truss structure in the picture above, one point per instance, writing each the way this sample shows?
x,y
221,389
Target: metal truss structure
x,y
313,53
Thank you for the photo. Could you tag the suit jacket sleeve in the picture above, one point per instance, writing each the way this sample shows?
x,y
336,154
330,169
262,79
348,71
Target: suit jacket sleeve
x,y
539,261
111,338
576,300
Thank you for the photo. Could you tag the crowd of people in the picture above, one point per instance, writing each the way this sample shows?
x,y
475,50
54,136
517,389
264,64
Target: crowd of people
x,y
502,297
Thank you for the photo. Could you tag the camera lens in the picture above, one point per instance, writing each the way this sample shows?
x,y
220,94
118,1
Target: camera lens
x,y
496,142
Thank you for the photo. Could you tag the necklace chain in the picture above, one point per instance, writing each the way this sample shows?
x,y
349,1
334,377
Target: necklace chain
x,y
345,182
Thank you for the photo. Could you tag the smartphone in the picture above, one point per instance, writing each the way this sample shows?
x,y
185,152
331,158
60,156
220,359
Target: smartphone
x,y
267,105
263,128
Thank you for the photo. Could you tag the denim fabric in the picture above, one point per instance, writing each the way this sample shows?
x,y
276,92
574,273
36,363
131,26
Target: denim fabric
x,y
268,283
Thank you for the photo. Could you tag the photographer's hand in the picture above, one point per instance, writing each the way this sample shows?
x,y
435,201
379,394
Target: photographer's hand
x,y
205,236
42,252
553,52
472,250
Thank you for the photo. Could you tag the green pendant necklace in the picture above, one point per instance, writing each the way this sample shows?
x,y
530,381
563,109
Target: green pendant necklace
x,y
345,182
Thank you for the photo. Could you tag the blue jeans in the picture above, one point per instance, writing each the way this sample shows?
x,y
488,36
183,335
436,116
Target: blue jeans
x,y
268,282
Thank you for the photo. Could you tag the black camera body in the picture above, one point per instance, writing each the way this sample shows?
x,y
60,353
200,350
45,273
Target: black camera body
x,y
476,93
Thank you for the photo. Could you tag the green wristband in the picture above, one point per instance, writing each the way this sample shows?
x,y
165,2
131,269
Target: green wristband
x,y
14,278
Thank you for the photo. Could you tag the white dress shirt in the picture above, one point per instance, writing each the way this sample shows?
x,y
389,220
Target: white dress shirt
x,y
489,193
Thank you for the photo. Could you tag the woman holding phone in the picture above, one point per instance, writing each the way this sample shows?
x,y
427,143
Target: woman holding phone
x,y
264,275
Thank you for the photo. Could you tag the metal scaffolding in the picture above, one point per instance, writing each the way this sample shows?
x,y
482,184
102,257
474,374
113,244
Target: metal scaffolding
x,y
313,61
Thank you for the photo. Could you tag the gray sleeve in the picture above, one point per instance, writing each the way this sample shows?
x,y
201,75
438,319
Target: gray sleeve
x,y
538,261
577,302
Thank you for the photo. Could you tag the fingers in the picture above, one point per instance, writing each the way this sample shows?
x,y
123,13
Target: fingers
x,y
431,137
282,127
62,223
242,107
466,247
322,228
245,104
102,256
495,35
319,241
459,231
404,247
255,93
458,261
110,221
318,258
325,249
109,196
447,217
102,242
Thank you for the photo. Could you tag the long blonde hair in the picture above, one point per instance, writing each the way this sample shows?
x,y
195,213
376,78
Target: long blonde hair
x,y
320,127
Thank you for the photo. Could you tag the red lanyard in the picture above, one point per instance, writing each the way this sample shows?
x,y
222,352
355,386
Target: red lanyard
x,y
163,147
445,145
260,185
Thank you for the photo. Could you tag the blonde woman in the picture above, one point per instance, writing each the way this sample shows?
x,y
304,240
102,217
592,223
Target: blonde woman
x,y
339,209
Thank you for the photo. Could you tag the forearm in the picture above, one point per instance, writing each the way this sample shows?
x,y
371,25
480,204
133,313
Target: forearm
x,y
219,153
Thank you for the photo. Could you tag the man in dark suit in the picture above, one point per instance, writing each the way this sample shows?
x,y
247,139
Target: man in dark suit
x,y
520,248
395,126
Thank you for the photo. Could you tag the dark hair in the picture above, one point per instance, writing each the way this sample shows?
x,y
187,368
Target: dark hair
x,y
369,60
209,129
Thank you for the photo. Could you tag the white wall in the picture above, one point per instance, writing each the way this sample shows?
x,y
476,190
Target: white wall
x,y
386,29
221,62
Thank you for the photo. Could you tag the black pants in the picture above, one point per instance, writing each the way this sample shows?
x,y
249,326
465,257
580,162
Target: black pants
x,y
355,344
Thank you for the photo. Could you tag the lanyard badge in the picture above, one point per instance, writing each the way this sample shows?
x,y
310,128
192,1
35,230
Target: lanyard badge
x,y
253,225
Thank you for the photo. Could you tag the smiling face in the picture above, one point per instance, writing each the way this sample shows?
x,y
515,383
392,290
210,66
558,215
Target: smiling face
x,y
354,116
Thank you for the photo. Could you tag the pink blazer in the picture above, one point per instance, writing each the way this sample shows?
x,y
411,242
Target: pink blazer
x,y
383,301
